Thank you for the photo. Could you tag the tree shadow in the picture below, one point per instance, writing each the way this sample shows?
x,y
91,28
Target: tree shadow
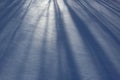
x,y
101,60
15,28
63,43
104,23
7,52
43,75
11,10
110,8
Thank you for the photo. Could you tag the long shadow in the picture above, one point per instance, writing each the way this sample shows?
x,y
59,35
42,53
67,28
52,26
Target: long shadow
x,y
109,27
95,13
63,42
16,28
113,3
43,49
116,12
8,6
10,12
102,22
5,4
5,53
9,38
22,67
2,41
101,60
43,71
27,49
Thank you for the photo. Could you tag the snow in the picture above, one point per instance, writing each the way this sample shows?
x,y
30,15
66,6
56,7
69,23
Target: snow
x,y
59,40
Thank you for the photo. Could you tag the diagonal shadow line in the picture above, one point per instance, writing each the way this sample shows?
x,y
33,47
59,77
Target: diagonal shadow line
x,y
114,4
37,20
97,53
63,40
106,23
43,72
44,42
4,54
115,1
28,48
22,67
95,11
9,9
9,2
61,75
101,23
24,59
116,12
11,15
5,4
96,14
99,15
18,26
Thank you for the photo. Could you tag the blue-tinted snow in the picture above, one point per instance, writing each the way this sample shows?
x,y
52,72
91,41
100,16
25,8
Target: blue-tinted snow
x,y
59,40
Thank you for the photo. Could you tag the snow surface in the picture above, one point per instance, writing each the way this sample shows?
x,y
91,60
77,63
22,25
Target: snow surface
x,y
59,39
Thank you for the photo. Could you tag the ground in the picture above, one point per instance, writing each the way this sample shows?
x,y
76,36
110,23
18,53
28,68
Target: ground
x,y
59,40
